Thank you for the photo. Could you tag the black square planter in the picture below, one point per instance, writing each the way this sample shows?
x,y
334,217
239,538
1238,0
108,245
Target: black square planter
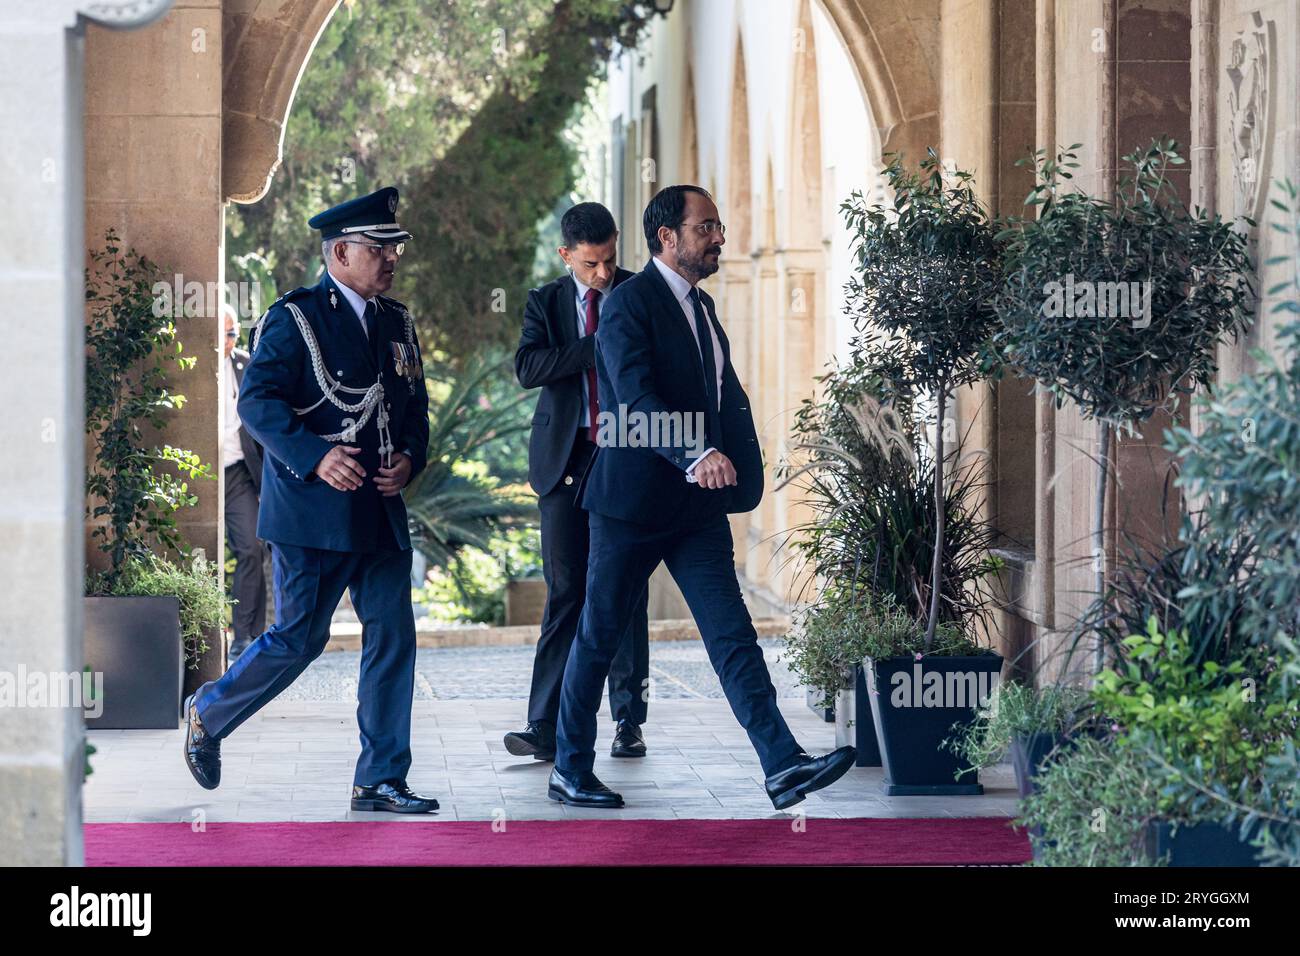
x,y
1200,844
813,699
912,722
1028,751
135,642
854,725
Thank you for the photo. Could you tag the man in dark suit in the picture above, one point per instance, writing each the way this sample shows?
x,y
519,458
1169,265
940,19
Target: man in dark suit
x,y
557,352
241,459
335,394
662,357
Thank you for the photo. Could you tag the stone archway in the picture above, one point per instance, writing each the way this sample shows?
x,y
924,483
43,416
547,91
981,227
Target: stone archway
x,y
800,261
266,46
895,52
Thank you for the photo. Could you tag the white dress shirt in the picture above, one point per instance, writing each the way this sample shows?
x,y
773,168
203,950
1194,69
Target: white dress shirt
x,y
358,304
681,288
231,450
582,333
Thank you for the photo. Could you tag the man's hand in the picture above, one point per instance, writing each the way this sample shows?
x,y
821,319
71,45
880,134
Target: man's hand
x,y
392,480
339,470
715,470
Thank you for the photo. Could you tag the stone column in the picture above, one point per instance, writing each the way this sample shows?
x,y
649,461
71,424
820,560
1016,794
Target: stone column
x,y
1044,574
735,313
41,747
803,274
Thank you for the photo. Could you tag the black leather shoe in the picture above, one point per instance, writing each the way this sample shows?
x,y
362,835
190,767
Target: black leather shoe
x,y
237,647
788,787
537,740
582,790
391,796
628,741
202,752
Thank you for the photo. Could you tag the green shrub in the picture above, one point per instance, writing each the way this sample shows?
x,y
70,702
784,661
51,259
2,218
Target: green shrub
x,y
1091,806
471,587
130,482
1177,722
829,641
1226,720
195,585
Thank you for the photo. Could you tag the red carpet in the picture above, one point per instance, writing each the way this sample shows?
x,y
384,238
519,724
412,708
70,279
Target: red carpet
x,y
860,842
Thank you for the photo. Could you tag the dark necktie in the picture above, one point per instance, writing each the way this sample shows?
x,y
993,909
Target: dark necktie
x,y
593,398
705,341
371,318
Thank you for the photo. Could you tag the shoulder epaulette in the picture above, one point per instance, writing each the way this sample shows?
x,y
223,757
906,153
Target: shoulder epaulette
x,y
256,328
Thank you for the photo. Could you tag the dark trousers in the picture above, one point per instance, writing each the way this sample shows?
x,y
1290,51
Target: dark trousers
x,y
308,585
249,585
565,540
698,551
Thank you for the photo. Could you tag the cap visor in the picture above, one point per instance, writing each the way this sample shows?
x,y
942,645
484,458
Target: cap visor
x,y
387,235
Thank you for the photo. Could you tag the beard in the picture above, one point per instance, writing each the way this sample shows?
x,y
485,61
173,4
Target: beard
x,y
699,264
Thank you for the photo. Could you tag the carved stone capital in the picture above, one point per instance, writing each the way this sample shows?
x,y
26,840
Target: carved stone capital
x,y
123,14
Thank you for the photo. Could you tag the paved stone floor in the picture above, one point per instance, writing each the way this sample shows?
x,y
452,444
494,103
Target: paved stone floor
x,y
678,669
293,760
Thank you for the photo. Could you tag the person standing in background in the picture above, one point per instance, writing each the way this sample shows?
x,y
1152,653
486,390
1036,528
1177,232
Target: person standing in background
x,y
241,458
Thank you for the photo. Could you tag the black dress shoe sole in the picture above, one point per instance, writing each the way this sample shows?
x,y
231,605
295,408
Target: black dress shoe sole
x,y
517,747
383,806
824,779
626,752
559,797
185,750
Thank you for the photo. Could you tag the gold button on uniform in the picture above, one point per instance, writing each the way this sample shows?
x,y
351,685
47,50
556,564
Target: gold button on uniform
x,y
568,479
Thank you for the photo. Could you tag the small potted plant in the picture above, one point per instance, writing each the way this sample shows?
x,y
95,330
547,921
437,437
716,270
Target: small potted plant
x,y
1024,723
1188,738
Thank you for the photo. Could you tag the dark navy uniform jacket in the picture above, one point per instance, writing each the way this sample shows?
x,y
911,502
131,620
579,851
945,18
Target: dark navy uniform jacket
x,y
647,361
297,507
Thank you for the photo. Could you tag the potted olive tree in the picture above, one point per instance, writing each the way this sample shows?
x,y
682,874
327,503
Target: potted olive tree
x,y
1119,306
926,269
145,615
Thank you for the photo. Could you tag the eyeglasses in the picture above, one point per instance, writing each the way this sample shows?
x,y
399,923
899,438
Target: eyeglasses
x,y
708,228
387,249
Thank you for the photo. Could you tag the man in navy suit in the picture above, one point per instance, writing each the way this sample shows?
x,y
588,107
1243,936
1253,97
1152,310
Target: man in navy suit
x,y
557,353
664,364
334,393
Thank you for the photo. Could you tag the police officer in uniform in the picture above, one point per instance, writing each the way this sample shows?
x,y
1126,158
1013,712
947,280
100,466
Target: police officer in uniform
x,y
334,393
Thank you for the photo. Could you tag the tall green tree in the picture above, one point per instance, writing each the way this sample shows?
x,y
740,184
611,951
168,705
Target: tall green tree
x,y
462,106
